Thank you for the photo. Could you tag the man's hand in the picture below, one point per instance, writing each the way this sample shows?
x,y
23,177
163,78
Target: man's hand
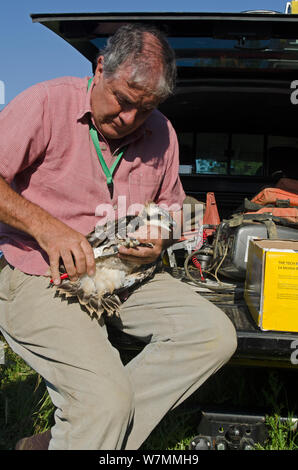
x,y
159,239
62,243
142,255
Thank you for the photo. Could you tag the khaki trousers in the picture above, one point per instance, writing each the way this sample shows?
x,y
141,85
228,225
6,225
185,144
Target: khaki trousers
x,y
100,403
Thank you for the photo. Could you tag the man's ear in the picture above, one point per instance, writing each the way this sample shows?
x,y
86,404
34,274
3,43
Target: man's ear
x,y
99,68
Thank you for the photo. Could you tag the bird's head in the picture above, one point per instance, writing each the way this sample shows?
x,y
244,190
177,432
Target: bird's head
x,y
157,216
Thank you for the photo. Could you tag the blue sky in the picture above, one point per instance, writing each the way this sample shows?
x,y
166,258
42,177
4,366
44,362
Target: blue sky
x,y
30,53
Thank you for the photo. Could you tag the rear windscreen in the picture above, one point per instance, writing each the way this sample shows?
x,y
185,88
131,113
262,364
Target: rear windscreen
x,y
240,53
236,53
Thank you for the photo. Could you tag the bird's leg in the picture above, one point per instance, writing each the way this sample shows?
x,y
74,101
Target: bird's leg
x,y
131,243
134,242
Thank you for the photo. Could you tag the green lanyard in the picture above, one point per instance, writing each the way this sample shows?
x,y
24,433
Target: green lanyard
x,y
107,171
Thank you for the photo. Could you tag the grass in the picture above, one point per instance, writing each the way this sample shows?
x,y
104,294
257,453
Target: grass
x,y
282,436
25,407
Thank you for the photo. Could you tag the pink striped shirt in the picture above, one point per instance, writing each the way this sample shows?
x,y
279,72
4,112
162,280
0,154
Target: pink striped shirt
x,y
48,157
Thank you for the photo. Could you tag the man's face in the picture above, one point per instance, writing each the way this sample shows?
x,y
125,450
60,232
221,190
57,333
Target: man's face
x,y
118,108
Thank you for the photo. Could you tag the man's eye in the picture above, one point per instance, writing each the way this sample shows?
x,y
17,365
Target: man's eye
x,y
122,101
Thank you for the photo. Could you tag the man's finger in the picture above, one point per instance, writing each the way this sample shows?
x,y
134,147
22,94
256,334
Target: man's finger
x,y
69,264
139,255
89,257
135,260
54,268
79,259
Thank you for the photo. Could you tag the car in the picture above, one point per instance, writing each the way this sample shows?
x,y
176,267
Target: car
x,y
234,110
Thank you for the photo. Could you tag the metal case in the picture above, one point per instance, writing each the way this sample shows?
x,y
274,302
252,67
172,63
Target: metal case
x,y
236,241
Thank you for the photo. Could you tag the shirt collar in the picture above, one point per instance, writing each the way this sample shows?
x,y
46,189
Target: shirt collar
x,y
86,108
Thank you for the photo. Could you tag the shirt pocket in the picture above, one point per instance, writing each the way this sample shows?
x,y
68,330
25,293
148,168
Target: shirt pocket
x,y
144,186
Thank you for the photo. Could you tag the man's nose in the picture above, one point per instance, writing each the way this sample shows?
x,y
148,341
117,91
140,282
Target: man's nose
x,y
128,116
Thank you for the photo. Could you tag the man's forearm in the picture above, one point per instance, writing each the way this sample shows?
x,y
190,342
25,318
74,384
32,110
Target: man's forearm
x,y
21,213
58,240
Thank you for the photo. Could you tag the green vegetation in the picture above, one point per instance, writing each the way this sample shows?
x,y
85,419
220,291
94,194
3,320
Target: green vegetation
x,y
25,407
282,434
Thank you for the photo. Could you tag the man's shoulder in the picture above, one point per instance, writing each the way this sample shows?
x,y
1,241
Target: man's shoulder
x,y
157,119
67,83
157,116
67,93
61,88
158,122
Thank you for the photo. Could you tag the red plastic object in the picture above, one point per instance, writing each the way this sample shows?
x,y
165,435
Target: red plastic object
x,y
63,276
199,267
211,216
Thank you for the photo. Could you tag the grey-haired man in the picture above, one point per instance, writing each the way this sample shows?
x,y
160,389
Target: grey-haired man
x,y
58,187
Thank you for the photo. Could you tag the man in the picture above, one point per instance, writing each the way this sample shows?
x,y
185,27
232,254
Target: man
x,y
53,191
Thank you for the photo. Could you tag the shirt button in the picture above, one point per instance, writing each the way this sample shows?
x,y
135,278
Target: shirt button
x,y
103,147
115,206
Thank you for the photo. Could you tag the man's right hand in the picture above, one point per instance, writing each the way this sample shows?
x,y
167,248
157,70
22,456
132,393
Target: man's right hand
x,y
62,243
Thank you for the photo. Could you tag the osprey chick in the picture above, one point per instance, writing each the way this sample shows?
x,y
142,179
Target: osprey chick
x,y
113,275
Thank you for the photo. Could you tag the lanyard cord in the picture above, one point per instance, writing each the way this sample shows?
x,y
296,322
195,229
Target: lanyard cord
x,y
107,171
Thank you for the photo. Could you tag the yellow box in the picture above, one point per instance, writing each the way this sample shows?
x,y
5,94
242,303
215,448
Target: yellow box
x,y
271,286
294,7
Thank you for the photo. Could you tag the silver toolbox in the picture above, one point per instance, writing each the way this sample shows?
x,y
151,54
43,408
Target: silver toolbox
x,y
233,245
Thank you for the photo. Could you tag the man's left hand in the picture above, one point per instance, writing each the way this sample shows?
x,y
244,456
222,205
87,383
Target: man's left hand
x,y
159,239
142,254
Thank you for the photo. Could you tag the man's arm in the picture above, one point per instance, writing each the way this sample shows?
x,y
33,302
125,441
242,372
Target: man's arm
x,y
54,237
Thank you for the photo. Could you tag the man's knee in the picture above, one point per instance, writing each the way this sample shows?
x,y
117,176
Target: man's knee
x,y
226,341
214,336
112,399
96,397
94,417
121,403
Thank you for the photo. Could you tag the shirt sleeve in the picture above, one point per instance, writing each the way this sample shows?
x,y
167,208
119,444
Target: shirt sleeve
x,y
171,194
24,131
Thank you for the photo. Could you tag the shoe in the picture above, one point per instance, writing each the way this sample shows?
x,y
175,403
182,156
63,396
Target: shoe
x,y
36,442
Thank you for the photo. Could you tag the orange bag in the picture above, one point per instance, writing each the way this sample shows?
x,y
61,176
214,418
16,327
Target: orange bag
x,y
276,196
279,202
288,213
